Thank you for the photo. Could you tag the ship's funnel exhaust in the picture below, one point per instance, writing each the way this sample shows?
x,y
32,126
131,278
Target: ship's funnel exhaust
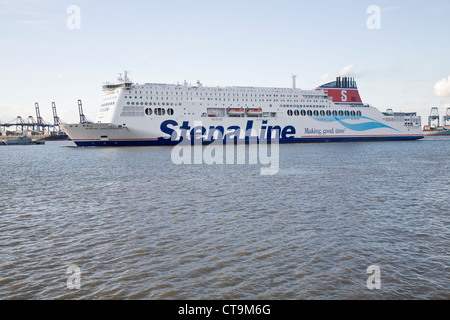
x,y
293,81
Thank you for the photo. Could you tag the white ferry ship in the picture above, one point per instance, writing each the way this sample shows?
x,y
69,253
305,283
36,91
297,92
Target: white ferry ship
x,y
150,114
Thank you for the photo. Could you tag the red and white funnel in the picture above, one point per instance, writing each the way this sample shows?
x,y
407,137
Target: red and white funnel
x,y
342,91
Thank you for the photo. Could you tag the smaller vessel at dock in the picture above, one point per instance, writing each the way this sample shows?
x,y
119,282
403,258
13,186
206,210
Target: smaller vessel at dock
x,y
56,136
434,128
22,140
439,131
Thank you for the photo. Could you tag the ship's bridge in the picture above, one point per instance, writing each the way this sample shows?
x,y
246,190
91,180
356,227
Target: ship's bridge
x,y
121,83
110,87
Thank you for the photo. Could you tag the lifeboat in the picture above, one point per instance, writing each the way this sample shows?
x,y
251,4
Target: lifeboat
x,y
254,111
235,111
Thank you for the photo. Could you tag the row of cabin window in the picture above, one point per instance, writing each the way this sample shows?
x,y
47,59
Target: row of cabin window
x,y
155,103
340,113
304,106
216,99
220,94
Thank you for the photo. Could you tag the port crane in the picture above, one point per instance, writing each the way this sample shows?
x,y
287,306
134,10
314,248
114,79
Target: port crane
x,y
32,124
39,120
39,124
446,118
83,118
56,119
434,116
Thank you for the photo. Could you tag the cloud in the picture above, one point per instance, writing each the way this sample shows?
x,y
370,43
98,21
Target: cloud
x,y
442,87
325,77
347,71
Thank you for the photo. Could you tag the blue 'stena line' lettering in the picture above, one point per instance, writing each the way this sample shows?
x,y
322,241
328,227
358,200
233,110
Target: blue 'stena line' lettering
x,y
171,128
165,127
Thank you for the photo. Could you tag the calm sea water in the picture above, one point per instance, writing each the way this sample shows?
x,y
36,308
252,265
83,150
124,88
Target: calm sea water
x,y
140,227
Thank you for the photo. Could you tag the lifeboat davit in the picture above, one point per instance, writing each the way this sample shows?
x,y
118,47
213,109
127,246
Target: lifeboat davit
x,y
254,111
236,111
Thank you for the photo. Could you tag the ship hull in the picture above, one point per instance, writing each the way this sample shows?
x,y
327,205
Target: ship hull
x,y
164,142
437,133
170,132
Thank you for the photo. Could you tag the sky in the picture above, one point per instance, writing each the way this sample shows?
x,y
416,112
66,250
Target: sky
x,y
61,51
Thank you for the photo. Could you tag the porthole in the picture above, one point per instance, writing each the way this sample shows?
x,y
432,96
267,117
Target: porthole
x,y
296,113
341,113
303,113
160,111
353,113
148,111
322,113
170,112
358,113
347,113
309,113
316,113
328,113
289,112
